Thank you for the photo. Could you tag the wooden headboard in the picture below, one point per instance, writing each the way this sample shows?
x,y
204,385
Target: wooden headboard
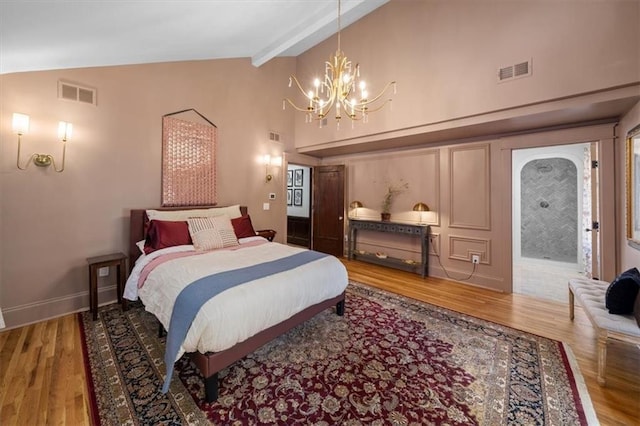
x,y
137,225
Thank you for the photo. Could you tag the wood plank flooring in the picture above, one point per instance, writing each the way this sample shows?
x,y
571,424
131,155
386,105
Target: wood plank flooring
x,y
43,379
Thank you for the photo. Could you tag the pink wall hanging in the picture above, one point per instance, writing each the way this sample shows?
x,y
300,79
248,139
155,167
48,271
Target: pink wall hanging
x,y
188,160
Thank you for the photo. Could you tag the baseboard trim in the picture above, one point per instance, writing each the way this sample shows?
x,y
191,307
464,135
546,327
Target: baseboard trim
x,y
43,310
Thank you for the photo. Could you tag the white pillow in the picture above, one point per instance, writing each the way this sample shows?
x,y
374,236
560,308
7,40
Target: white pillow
x,y
210,233
140,245
178,215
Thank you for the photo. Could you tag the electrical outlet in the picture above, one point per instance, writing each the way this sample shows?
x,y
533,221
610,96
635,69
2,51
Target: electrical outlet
x,y
103,272
475,258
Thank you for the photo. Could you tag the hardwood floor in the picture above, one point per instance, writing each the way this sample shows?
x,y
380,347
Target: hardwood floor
x,y
43,379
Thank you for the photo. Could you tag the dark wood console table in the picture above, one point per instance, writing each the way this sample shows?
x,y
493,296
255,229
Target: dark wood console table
x,y
420,231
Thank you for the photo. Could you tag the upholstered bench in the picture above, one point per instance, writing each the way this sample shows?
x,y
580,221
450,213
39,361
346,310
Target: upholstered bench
x,y
591,296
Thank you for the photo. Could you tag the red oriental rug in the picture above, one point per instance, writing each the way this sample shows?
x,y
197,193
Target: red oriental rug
x,y
389,360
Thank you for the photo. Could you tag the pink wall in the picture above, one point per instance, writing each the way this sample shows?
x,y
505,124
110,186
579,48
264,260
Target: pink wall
x,y
445,55
51,222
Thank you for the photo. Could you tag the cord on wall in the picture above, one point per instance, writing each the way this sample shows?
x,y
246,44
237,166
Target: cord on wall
x,y
473,271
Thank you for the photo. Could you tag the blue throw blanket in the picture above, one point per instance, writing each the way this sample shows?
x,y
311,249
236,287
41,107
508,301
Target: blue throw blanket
x,y
196,294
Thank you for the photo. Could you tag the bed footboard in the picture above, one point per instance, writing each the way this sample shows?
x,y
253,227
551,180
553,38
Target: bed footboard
x,y
210,363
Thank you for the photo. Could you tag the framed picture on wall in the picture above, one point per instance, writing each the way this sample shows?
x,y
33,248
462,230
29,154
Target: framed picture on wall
x,y
297,177
290,178
297,196
289,194
633,187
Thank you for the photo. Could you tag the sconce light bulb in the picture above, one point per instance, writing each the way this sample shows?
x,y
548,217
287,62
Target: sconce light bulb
x,y
20,123
64,131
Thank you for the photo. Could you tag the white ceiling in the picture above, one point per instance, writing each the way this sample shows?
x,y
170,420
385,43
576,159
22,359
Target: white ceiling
x,y
57,34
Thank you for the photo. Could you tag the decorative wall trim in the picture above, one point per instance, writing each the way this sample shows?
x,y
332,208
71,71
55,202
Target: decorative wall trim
x,y
462,248
43,310
420,168
470,202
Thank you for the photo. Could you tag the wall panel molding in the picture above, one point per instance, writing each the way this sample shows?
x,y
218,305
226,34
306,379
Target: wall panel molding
x,y
462,248
470,187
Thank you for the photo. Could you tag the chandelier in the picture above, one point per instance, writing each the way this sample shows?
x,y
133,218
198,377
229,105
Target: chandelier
x,y
341,89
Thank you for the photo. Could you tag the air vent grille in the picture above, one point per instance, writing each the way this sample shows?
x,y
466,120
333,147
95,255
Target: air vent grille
x,y
76,93
275,137
511,72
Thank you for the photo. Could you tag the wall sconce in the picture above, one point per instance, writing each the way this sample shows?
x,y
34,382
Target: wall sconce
x,y
356,205
20,125
421,207
269,162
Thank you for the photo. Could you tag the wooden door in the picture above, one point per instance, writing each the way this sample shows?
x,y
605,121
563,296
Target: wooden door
x,y
328,210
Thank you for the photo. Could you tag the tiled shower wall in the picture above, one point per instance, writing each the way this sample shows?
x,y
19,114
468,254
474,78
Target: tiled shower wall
x,y
549,203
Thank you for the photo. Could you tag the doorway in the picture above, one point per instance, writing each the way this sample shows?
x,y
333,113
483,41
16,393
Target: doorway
x,y
551,213
299,184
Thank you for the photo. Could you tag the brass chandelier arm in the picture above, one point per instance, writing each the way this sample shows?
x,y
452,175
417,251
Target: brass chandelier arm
x,y
369,102
297,107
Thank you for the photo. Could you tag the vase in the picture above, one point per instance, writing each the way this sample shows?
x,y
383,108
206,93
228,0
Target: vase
x,y
385,217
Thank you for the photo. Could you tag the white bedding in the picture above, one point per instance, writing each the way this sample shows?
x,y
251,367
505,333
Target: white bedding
x,y
244,310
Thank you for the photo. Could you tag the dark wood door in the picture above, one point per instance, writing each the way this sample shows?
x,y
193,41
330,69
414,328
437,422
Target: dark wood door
x,y
328,210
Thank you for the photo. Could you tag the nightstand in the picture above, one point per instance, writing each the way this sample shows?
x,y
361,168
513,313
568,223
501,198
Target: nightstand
x,y
119,260
269,234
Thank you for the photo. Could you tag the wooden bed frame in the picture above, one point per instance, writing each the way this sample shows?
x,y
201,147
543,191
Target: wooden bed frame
x,y
211,363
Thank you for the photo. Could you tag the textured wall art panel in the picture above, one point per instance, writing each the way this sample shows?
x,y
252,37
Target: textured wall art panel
x,y
188,163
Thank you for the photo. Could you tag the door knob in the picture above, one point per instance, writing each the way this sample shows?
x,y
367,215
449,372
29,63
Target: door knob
x,y
340,217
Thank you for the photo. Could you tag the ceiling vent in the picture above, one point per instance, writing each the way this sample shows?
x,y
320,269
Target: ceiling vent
x,y
511,72
275,137
76,93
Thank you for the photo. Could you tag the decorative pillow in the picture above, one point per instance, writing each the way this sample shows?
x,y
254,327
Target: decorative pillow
x,y
178,215
622,292
243,227
636,309
210,233
162,234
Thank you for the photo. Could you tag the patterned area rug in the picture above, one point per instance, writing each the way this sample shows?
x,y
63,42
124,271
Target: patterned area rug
x,y
389,360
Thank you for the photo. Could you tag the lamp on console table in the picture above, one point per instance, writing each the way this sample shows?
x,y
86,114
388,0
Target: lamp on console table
x,y
355,205
421,207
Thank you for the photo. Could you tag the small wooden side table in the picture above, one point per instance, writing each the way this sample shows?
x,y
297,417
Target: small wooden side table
x,y
269,234
119,260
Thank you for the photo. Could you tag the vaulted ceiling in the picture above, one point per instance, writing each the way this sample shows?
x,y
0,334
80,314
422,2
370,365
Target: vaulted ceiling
x,y
50,34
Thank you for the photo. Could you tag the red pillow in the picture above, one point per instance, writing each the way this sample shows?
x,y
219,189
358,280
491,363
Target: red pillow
x,y
243,227
164,233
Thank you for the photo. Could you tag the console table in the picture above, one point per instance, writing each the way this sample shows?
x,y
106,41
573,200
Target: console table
x,y
410,230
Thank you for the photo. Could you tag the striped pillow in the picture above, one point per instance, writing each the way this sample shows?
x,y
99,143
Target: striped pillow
x,y
210,233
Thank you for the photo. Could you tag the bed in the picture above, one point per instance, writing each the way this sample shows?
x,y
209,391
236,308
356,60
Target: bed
x,y
262,308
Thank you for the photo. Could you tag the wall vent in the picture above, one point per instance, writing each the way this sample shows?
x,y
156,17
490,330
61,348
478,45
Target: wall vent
x,y
511,72
275,137
76,93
